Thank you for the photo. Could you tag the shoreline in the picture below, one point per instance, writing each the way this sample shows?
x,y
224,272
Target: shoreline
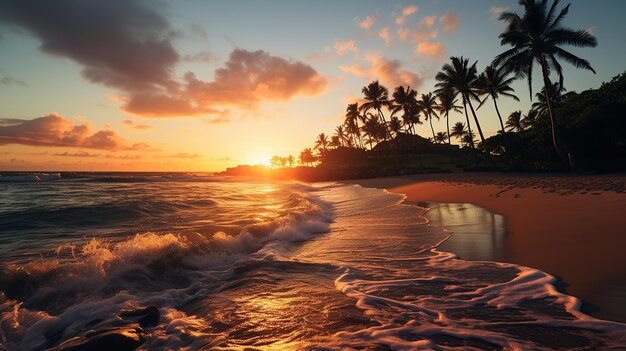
x,y
572,227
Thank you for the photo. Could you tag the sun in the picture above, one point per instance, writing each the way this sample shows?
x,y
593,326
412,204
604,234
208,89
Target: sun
x,y
265,161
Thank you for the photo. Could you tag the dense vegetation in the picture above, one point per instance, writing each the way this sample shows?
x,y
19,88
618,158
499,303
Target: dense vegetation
x,y
560,132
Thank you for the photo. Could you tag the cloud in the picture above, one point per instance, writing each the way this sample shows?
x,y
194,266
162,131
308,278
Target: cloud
x,y
449,21
12,81
127,45
404,33
217,120
185,155
366,23
76,154
386,35
203,56
406,12
54,130
496,10
343,47
130,123
389,72
431,49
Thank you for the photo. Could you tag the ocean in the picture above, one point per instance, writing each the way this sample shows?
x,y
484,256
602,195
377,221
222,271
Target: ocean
x,y
184,261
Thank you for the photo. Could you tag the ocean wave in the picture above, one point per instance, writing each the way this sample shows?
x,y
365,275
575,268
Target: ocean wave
x,y
29,177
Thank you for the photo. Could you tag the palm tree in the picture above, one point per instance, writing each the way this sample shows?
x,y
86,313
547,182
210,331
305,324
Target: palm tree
x,y
405,100
461,78
290,160
447,103
496,81
377,97
321,143
341,135
554,92
458,130
468,139
514,122
395,125
352,117
353,129
538,37
530,119
428,105
441,137
373,129
307,157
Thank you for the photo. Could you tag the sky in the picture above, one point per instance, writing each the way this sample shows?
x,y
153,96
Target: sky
x,y
203,85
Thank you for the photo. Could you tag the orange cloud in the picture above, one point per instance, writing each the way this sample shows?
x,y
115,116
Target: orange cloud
x,y
54,130
495,10
132,124
136,56
389,72
404,33
343,47
386,35
431,49
449,21
406,12
367,22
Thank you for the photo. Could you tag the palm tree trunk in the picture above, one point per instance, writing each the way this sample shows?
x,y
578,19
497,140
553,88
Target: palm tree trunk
x,y
547,84
431,126
506,145
480,131
448,125
469,129
388,134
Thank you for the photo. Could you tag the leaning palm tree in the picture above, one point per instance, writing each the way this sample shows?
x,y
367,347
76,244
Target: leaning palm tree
x,y
494,82
461,78
405,100
447,103
428,105
537,36
441,137
514,122
321,144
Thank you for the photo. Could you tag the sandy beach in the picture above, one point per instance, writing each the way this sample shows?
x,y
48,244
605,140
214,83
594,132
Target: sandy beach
x,y
573,227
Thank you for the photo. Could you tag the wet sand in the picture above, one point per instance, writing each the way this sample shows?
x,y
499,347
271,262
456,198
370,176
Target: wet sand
x,y
573,227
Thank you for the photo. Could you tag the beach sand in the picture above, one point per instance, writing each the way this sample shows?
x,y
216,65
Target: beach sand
x,y
573,227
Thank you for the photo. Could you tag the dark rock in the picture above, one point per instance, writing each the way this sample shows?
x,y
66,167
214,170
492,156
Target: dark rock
x,y
147,317
119,339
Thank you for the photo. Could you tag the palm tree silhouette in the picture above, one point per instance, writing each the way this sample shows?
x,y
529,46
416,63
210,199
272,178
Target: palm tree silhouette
x,y
496,81
441,137
530,119
405,100
341,135
373,129
352,118
538,37
447,103
461,78
321,144
554,92
514,122
307,157
377,97
458,130
395,125
428,105
290,160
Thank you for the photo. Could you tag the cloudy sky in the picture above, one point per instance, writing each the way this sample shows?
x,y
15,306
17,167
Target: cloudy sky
x,y
203,85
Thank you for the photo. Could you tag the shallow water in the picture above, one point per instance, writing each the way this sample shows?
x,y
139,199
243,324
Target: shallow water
x,y
256,265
